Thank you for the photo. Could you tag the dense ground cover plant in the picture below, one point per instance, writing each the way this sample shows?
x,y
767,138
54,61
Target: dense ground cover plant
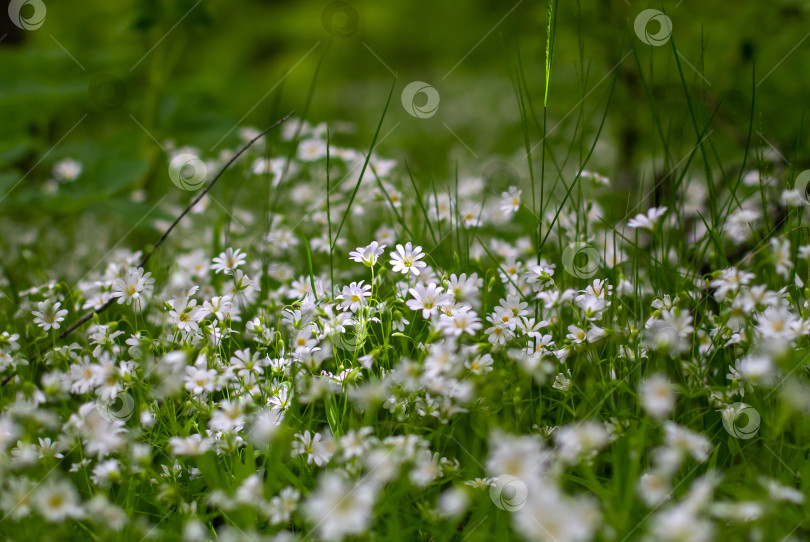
x,y
590,338
373,359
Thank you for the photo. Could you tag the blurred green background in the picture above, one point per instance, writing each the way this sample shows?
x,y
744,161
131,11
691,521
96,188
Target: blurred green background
x,y
107,83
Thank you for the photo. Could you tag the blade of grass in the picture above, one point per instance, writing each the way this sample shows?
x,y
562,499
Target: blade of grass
x,y
585,162
421,203
551,32
365,165
329,213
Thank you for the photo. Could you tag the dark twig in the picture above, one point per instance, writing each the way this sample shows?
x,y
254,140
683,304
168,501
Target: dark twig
x,y
87,316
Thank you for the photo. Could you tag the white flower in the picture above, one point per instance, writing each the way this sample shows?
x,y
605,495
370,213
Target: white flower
x,y
265,425
426,469
17,498
428,299
684,440
580,440
406,259
741,224
82,376
48,449
550,516
778,492
596,334
185,314
340,508
8,342
465,289
754,369
228,417
470,215
24,455
657,396
521,457
283,505
132,287
317,449
669,334
595,177
245,364
190,446
460,320
228,261
677,523
67,170
220,307
57,501
49,315
354,296
499,334
106,472
369,255
479,365
654,487
576,334
200,381
791,197
730,280
782,260
776,324
510,201
480,483
561,382
648,221
453,502
539,273
311,149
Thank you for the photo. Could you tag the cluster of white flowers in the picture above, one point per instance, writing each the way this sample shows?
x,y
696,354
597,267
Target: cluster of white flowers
x,y
462,376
